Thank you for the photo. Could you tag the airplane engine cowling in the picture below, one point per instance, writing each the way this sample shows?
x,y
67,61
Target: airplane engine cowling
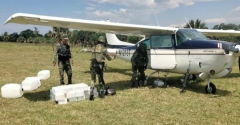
x,y
237,53
203,75
224,72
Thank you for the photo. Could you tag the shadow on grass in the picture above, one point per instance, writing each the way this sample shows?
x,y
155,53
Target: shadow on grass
x,y
37,96
127,72
194,86
232,75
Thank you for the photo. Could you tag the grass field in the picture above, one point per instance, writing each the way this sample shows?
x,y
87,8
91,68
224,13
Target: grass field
x,y
129,106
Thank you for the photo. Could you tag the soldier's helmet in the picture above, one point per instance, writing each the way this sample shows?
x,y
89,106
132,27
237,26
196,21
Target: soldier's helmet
x,y
143,46
64,36
102,39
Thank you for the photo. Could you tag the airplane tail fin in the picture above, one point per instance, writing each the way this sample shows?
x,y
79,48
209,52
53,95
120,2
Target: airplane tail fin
x,y
112,40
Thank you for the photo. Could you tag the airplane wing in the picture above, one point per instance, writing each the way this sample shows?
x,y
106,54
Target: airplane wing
x,y
88,25
212,32
104,26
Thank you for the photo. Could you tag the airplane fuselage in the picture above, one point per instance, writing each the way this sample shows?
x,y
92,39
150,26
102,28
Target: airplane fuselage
x,y
168,53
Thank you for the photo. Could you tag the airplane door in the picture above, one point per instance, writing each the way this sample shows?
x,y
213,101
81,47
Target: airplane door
x,y
162,52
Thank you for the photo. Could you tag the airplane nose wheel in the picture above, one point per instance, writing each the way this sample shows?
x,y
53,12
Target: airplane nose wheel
x,y
210,88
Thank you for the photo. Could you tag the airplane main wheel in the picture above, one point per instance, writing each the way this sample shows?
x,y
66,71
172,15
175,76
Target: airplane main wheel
x,y
212,88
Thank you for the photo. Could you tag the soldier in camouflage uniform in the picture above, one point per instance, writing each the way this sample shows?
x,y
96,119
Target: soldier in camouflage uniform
x,y
97,64
62,54
139,62
99,53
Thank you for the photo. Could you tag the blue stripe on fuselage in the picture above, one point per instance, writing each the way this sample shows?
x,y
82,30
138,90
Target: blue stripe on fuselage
x,y
122,46
204,44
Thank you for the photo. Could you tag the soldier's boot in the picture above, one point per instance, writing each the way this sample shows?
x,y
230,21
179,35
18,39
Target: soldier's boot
x,y
145,83
133,85
62,83
91,97
102,91
69,80
139,83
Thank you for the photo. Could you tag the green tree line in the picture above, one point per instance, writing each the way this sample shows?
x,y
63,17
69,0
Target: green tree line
x,y
76,37
87,39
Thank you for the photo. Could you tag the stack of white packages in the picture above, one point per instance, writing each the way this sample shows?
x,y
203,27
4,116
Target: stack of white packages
x,y
31,83
71,93
43,74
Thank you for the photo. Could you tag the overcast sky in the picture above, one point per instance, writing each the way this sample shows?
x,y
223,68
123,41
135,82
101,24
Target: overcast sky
x,y
168,12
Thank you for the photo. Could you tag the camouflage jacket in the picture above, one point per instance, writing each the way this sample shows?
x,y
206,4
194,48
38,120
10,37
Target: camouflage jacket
x,y
99,52
61,52
139,58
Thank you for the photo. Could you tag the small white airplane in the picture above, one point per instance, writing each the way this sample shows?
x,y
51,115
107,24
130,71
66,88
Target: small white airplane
x,y
175,50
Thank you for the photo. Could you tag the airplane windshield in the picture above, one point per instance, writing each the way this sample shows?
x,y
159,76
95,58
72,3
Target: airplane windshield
x,y
184,35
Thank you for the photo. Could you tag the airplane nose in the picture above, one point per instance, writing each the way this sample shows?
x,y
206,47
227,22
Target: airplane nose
x,y
238,48
237,51
238,55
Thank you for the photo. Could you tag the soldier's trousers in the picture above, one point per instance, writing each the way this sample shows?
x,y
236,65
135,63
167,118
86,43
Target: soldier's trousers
x,y
99,72
65,66
141,71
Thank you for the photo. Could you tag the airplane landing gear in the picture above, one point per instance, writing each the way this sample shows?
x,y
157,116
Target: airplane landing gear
x,y
192,77
186,79
157,71
185,82
210,87
140,82
165,81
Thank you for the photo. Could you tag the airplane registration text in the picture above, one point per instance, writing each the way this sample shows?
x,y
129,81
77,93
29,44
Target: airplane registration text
x,y
124,52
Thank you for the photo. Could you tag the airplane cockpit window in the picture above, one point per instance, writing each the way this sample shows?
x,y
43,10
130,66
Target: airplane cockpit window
x,y
147,42
184,35
163,41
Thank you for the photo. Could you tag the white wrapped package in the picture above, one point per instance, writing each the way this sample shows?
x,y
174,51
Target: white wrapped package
x,y
52,97
30,83
44,74
79,86
79,98
12,90
63,101
59,96
158,83
71,94
57,89
73,99
35,78
79,93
